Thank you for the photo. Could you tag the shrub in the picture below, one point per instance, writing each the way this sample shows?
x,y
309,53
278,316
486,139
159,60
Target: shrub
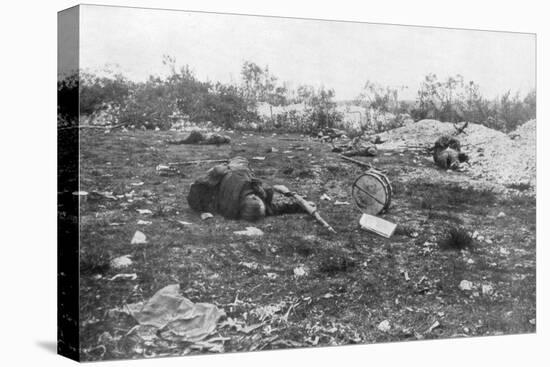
x,y
67,100
457,239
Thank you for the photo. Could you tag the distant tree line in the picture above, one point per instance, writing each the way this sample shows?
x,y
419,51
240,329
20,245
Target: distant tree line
x,y
452,100
159,101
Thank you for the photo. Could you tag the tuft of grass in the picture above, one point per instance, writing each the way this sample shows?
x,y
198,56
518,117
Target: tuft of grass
x,y
457,238
94,262
336,264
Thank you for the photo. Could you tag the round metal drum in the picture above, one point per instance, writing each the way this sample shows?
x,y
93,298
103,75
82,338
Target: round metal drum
x,y
372,192
388,186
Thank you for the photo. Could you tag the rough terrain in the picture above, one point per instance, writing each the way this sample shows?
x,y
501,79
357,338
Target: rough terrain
x,y
298,285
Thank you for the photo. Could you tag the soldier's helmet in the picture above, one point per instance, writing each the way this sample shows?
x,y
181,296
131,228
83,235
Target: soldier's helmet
x,y
252,208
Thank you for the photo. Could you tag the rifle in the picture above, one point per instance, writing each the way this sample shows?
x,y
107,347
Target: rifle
x,y
311,210
189,163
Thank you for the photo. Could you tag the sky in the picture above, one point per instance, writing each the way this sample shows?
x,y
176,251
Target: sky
x,y
334,54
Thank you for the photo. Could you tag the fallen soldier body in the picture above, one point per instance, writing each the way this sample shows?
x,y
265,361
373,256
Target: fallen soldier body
x,y
447,153
197,137
232,191
356,147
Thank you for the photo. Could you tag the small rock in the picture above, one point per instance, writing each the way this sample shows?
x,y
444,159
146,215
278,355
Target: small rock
x,y
250,265
465,285
504,251
121,262
325,197
487,289
475,234
139,238
434,325
341,203
144,222
144,211
300,271
384,326
271,275
182,222
501,214
470,262
250,231
533,321
132,276
488,241
205,216
258,158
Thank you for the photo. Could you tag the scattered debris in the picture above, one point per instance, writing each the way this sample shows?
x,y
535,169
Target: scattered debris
x,y
136,183
144,211
325,197
434,325
206,215
466,285
384,326
163,170
337,202
300,271
504,251
139,238
533,321
377,225
190,163
121,262
487,289
258,158
250,265
132,276
182,222
250,231
176,317
144,222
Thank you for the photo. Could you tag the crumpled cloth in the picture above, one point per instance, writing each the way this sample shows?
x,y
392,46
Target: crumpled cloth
x,y
176,317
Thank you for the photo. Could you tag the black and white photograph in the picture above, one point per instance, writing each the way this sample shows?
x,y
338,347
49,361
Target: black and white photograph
x,y
238,183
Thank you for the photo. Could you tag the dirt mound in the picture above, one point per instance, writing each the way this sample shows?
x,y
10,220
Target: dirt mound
x,y
494,156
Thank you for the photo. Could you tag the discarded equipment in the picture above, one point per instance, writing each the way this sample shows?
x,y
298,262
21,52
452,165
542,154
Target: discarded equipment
x,y
372,192
377,225
310,209
190,163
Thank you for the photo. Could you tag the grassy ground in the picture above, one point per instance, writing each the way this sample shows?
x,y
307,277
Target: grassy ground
x,y
354,280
